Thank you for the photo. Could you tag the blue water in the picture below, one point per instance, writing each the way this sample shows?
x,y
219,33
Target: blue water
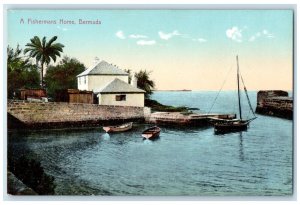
x,y
183,161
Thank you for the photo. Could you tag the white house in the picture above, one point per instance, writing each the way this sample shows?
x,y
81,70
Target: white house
x,y
100,75
111,86
120,93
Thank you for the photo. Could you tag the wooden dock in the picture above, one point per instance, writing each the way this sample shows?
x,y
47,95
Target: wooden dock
x,y
177,118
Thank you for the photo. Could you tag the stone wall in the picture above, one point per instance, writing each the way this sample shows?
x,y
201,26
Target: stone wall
x,y
61,114
275,103
17,187
262,95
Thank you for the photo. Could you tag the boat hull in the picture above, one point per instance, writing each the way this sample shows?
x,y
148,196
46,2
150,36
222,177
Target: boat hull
x,y
119,128
151,133
227,127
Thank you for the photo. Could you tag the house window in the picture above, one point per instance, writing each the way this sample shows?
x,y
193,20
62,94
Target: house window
x,y
120,97
84,79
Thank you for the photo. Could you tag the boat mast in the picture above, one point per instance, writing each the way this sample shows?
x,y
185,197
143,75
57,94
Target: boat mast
x,y
238,82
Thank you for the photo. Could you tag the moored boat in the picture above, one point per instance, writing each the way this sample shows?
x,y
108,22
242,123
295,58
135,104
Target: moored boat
x,y
151,133
230,126
235,125
118,128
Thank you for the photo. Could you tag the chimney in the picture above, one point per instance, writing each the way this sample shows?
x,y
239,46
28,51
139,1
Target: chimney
x,y
96,60
133,81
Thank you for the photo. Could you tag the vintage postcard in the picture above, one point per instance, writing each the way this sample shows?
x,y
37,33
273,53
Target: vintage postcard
x,y
150,102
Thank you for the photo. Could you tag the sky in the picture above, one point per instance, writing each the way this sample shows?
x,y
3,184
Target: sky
x,y
183,49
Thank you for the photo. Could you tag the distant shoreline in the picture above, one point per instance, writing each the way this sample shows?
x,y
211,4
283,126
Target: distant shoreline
x,y
184,90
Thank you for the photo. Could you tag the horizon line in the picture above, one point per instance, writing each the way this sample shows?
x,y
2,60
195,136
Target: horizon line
x,y
189,90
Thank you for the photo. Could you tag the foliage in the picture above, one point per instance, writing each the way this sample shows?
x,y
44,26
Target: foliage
x,y
158,107
20,72
32,174
144,82
14,60
43,51
63,76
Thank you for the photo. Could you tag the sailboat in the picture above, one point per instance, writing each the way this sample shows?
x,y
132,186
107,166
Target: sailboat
x,y
239,124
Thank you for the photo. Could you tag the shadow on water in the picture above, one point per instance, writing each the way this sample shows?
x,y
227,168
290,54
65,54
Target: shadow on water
x,y
16,144
152,140
186,129
27,167
241,142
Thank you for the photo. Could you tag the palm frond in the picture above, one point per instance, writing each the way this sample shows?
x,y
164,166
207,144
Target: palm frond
x,y
26,50
37,41
53,56
38,57
47,59
31,45
33,53
51,41
44,42
58,46
56,52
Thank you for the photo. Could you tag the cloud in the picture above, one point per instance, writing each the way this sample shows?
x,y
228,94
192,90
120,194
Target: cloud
x,y
63,29
120,35
145,43
264,33
136,36
234,34
167,36
185,35
252,38
267,34
200,40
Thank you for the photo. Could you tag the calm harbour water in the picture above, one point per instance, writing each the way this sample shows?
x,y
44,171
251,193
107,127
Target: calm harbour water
x,y
183,161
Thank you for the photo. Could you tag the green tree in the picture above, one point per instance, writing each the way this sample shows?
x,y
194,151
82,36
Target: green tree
x,y
144,82
63,76
20,72
43,51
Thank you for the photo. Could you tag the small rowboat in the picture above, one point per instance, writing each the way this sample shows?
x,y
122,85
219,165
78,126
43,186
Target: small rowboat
x,y
151,133
118,128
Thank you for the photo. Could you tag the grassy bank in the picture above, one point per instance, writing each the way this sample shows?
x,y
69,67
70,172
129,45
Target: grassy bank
x,y
158,107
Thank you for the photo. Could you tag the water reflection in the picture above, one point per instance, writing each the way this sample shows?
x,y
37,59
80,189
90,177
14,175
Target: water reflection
x,y
241,150
147,141
106,136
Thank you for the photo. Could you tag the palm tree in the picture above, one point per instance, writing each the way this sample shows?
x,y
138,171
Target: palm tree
x,y
43,51
144,82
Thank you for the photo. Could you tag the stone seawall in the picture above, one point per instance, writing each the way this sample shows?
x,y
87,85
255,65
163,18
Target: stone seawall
x,y
17,187
275,103
23,114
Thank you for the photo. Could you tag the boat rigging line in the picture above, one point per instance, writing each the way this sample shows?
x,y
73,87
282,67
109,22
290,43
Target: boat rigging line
x,y
220,90
248,99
